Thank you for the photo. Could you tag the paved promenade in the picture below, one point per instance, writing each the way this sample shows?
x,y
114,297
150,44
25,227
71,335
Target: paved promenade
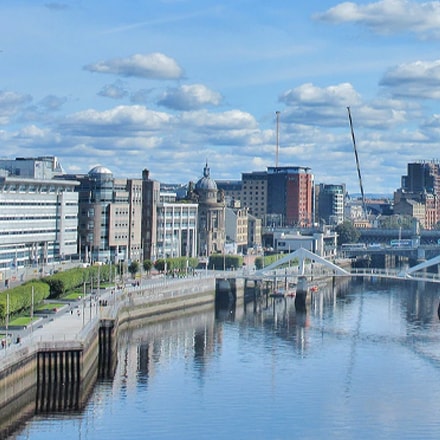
x,y
74,318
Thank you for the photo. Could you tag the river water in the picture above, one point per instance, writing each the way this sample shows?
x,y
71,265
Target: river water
x,y
362,363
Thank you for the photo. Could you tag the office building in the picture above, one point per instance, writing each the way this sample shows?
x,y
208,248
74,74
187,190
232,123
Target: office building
x,y
254,193
110,214
38,215
41,168
176,230
169,227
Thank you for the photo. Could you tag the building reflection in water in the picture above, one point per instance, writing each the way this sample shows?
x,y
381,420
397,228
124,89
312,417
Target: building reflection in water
x,y
199,336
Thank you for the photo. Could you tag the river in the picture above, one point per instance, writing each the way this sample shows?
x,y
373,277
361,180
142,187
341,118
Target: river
x,y
361,363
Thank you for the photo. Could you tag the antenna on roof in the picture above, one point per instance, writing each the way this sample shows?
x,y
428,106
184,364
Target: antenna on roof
x,y
278,137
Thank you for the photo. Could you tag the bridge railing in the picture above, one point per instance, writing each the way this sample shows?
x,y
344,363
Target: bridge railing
x,y
396,273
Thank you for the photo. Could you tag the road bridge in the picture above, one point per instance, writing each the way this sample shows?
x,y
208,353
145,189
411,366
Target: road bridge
x,y
411,252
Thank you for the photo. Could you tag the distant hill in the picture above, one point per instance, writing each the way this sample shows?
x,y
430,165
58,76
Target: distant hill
x,y
371,196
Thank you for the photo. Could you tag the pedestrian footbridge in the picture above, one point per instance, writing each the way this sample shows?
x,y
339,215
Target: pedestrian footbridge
x,y
312,265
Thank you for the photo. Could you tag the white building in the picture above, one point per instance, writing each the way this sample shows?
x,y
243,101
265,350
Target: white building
x,y
38,222
176,233
323,244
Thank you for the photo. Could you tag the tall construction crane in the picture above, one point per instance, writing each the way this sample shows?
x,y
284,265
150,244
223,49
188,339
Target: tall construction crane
x,y
364,203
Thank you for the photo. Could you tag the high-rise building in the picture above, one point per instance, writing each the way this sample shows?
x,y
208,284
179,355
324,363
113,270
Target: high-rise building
x,y
280,196
290,194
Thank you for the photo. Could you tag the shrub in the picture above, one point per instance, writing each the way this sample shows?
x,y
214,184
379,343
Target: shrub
x,y
20,297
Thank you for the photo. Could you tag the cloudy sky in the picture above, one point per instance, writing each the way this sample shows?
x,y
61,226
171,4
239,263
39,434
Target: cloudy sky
x,y
168,84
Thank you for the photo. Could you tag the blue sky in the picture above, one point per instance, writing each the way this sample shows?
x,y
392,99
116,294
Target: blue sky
x,y
168,84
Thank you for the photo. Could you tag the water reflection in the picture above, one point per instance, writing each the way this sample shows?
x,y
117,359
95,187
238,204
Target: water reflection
x,y
362,361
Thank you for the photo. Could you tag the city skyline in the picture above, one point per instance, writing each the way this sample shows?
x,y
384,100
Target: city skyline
x,y
166,85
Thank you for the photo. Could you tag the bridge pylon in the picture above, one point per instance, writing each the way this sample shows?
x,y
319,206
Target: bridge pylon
x,y
303,255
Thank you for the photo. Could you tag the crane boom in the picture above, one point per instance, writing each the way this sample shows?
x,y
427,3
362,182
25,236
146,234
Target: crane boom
x,y
364,205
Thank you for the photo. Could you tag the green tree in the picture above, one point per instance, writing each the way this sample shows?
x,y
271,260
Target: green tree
x,y
133,268
160,264
347,233
147,265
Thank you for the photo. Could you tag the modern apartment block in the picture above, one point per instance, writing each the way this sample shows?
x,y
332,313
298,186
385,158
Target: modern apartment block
x,y
290,195
38,215
329,204
280,196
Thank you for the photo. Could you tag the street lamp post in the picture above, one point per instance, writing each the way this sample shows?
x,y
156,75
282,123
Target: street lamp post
x,y
7,320
32,309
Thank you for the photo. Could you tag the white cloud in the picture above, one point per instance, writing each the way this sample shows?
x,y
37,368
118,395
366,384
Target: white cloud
x,y
11,104
118,121
388,16
310,95
419,79
116,90
52,102
151,66
308,104
231,119
189,97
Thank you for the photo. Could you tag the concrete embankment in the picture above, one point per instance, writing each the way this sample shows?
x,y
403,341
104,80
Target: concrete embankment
x,y
55,367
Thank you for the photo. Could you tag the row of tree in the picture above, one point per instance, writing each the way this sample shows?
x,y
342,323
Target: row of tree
x,y
183,265
177,264
20,299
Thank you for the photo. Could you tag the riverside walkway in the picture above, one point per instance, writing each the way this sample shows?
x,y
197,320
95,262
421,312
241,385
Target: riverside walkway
x,y
69,325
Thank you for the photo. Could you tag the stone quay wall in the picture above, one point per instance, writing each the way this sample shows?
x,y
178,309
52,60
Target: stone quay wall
x,y
57,375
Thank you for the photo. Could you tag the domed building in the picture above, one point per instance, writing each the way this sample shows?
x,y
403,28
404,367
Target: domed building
x,y
211,227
